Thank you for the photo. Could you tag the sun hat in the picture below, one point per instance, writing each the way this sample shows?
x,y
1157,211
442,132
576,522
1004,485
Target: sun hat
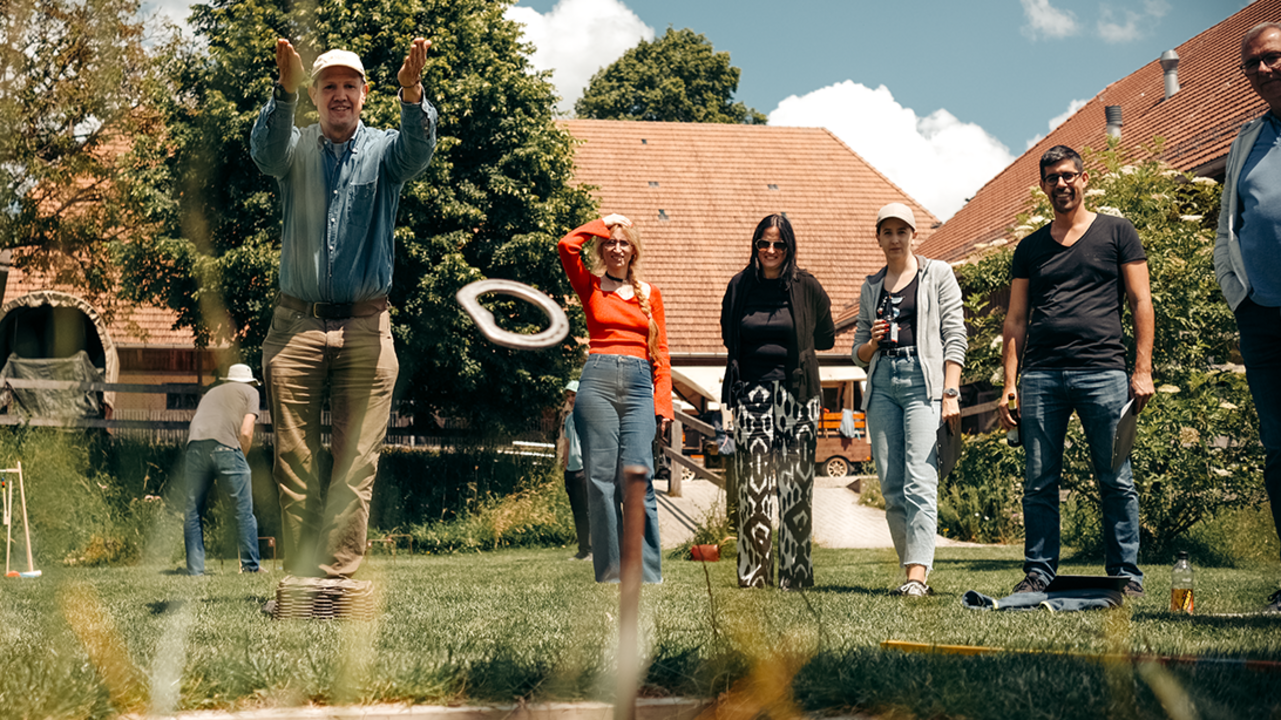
x,y
337,58
572,386
896,210
241,373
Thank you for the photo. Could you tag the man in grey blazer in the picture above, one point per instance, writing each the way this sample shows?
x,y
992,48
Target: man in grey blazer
x,y
1247,245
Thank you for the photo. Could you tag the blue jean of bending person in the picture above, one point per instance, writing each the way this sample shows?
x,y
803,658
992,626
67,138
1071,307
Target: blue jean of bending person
x,y
902,423
614,415
207,459
1047,399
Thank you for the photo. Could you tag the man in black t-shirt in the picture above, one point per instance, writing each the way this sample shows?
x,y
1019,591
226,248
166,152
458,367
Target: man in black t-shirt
x,y
1069,280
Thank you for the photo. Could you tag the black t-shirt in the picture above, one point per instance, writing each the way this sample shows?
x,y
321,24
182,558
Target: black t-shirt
x,y
1075,295
766,333
904,302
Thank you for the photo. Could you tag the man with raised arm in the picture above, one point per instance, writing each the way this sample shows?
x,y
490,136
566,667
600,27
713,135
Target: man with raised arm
x,y
1064,327
1247,246
330,337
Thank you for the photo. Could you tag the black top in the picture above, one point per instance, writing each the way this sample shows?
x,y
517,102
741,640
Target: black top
x,y
766,333
900,309
1075,296
812,320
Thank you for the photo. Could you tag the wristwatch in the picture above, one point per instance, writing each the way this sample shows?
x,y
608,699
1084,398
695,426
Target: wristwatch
x,y
282,95
951,392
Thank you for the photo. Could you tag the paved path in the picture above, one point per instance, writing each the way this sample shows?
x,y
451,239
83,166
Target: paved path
x,y
839,520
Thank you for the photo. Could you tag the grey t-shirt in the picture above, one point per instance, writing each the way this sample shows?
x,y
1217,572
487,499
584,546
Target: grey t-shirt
x,y
221,411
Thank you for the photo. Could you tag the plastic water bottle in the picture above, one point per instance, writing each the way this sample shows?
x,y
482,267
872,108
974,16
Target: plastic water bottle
x,y
1181,600
1013,437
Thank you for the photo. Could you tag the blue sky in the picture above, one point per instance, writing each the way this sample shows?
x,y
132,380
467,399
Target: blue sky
x,y
939,95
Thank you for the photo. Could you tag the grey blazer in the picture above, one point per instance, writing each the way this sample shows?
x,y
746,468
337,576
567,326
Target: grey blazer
x,y
1229,268
940,322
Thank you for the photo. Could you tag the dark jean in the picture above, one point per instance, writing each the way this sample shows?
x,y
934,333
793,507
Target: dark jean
x,y
1260,329
207,459
614,416
1047,399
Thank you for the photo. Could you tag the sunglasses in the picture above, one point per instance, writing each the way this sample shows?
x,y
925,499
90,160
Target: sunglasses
x,y
766,245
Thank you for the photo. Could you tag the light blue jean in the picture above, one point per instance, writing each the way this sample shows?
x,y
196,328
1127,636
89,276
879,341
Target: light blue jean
x,y
1047,399
902,423
614,416
205,460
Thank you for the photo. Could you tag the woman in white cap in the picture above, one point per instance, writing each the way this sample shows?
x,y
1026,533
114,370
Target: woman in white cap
x,y
911,338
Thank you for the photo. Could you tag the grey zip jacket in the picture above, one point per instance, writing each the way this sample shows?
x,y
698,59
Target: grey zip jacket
x,y
940,322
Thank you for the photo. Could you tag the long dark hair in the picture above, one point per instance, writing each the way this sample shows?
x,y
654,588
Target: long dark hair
x,y
786,235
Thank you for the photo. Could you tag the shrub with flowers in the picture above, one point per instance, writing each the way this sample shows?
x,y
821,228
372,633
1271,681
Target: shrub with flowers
x,y
1197,452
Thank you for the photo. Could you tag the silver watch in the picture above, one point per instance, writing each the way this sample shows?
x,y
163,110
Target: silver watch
x,y
951,392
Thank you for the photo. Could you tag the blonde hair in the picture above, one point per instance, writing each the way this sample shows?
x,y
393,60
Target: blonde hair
x,y
596,264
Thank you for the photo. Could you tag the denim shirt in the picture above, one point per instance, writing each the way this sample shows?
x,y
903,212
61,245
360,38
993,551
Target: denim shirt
x,y
339,201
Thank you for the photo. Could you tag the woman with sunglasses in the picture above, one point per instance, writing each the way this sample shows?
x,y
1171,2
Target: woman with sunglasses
x,y
626,383
911,337
774,318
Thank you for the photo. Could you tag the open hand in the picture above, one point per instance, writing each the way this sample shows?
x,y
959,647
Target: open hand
x,y
289,65
411,72
615,219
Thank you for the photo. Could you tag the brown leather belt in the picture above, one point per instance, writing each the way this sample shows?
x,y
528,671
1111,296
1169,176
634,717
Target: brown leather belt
x,y
334,311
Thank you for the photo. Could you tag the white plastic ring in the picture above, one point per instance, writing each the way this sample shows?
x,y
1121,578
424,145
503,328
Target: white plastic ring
x,y
469,298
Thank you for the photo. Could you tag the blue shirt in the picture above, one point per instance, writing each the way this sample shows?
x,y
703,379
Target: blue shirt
x,y
573,451
1259,189
339,200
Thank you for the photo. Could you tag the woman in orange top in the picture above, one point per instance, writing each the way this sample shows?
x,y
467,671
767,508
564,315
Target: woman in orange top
x,y
625,391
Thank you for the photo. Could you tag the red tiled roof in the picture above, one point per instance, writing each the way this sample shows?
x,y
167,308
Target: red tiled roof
x,y
697,190
1198,123
131,326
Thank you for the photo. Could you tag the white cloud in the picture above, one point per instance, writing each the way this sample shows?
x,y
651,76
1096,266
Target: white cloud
x,y
1045,20
1131,27
1058,120
939,160
175,11
578,37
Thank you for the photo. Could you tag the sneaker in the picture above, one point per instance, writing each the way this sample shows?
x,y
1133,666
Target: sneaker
x,y
1133,589
1032,582
1274,602
913,588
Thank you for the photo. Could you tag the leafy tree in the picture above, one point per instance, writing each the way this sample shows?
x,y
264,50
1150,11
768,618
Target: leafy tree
x,y
492,204
1197,452
678,78
81,145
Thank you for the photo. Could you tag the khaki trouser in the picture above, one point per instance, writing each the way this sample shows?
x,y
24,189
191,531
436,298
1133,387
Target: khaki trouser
x,y
351,361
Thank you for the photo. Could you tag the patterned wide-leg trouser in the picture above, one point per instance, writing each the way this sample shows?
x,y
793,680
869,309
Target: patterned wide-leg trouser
x,y
775,438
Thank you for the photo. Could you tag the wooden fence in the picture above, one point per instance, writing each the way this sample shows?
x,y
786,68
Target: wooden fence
x,y
171,426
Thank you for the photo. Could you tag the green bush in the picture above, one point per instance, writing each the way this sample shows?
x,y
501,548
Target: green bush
x,y
535,514
981,501
78,514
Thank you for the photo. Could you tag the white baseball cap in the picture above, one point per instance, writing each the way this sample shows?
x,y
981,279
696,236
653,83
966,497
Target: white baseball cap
x,y
241,373
337,58
572,386
896,210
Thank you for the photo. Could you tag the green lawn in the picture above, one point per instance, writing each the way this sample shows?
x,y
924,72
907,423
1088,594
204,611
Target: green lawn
x,y
530,623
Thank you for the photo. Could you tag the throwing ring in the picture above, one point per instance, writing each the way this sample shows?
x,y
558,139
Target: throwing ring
x,y
469,298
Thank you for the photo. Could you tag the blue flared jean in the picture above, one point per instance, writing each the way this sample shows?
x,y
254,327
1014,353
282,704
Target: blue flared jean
x,y
902,423
614,416
207,459
1047,399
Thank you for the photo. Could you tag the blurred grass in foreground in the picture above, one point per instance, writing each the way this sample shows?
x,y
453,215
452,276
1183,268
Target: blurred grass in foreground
x,y
469,628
